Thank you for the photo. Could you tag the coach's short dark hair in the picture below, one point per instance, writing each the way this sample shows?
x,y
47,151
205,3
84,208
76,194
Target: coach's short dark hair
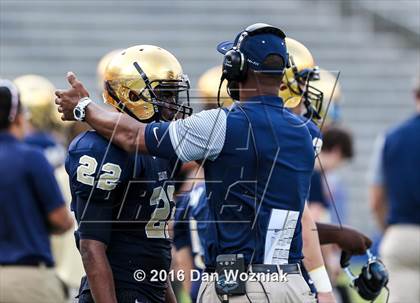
x,y
337,137
272,63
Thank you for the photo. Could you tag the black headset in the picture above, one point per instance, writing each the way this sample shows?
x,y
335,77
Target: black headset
x,y
235,64
373,277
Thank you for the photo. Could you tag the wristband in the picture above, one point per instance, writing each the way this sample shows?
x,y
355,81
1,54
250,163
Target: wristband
x,y
321,280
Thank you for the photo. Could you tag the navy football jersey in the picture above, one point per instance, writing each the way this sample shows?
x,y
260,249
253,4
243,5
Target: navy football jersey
x,y
123,200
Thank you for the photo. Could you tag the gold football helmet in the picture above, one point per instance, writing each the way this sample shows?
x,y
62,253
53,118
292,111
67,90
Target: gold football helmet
x,y
297,81
330,111
145,81
37,95
103,63
208,85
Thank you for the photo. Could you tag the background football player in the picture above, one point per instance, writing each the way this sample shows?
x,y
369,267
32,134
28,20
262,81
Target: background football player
x,y
123,201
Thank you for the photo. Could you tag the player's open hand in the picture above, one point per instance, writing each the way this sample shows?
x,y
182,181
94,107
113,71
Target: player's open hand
x,y
353,241
68,99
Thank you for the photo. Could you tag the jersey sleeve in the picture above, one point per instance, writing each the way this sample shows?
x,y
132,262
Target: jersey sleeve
x,y
94,219
316,193
198,137
95,169
45,185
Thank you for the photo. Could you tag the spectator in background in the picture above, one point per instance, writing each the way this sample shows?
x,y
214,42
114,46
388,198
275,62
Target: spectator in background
x,y
395,202
31,208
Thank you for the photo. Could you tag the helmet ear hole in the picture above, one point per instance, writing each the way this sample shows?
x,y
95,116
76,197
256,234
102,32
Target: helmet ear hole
x,y
133,96
283,86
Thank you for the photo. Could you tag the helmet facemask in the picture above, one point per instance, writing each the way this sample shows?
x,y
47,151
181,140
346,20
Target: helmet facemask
x,y
170,98
311,97
164,94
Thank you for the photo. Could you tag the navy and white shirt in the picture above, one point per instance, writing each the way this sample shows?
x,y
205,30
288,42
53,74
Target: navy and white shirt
x,y
258,161
395,166
124,201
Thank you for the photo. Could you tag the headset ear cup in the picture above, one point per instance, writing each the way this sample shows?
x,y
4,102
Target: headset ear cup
x,y
365,285
234,66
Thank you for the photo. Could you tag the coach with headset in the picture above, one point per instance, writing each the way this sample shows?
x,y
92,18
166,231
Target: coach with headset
x,y
258,160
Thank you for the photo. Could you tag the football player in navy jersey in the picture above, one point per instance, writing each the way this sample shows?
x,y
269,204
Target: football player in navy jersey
x,y
123,201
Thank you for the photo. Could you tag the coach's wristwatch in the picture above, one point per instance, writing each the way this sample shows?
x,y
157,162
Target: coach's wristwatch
x,y
79,111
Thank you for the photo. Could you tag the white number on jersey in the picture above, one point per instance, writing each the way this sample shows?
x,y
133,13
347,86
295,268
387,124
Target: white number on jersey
x,y
157,225
107,180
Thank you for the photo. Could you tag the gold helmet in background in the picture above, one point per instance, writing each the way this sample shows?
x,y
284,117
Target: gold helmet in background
x,y
144,80
208,85
37,95
103,63
331,89
297,81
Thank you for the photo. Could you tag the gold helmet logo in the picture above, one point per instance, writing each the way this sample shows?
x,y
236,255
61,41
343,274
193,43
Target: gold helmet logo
x,y
37,95
208,85
296,85
144,81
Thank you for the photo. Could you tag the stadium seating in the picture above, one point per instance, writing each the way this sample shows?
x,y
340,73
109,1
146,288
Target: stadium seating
x,y
377,68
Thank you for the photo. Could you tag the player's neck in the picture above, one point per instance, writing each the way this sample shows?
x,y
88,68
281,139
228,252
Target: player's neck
x,y
247,93
254,86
